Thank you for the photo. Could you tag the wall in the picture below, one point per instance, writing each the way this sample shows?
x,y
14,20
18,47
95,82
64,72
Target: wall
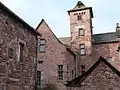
x,y
54,55
101,78
14,74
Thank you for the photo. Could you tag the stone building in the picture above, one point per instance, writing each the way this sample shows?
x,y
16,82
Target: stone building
x,y
53,59
93,60
18,52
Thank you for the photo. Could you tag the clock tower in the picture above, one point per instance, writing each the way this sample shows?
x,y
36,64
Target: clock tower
x,y
81,32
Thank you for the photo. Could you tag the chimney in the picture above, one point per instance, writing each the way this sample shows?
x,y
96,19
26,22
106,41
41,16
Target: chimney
x,y
118,30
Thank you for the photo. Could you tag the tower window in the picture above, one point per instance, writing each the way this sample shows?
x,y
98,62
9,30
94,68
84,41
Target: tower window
x,y
42,45
82,49
79,17
60,72
81,32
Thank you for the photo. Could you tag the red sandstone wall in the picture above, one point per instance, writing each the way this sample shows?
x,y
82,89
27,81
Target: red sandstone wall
x,y
16,75
55,54
102,78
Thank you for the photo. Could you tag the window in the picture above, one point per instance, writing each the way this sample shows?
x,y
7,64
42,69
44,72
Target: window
x,y
60,72
10,53
79,17
82,69
72,73
21,49
82,49
42,45
38,78
81,32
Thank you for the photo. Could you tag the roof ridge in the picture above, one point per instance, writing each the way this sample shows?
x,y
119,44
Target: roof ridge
x,y
82,77
104,33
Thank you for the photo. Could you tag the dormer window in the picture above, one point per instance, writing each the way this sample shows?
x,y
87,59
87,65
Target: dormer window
x,y
81,32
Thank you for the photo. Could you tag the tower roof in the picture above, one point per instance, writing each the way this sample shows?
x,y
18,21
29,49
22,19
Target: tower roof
x,y
80,6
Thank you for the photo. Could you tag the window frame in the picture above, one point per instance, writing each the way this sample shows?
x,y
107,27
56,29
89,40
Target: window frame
x,y
79,17
21,52
60,72
79,32
38,78
42,45
82,48
10,53
82,69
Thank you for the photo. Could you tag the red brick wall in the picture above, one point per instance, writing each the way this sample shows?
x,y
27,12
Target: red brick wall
x,y
14,74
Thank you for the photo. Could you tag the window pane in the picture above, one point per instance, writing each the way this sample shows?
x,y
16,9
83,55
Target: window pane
x,y
82,46
82,66
79,17
42,47
21,51
60,75
82,51
38,78
60,67
42,41
10,52
81,32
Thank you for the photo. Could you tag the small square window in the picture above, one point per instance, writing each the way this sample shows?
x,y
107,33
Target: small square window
x,y
81,32
82,66
83,71
79,17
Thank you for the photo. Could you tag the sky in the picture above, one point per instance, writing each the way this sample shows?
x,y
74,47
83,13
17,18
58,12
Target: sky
x,y
54,12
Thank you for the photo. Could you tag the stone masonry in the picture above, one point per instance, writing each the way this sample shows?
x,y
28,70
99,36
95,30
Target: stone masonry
x,y
15,74
56,53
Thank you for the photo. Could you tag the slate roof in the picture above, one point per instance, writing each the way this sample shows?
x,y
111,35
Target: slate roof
x,y
17,18
105,38
97,38
76,82
65,40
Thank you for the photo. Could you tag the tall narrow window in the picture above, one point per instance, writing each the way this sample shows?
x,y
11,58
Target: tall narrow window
x,y
10,53
21,49
82,69
42,45
38,78
81,32
72,73
82,49
60,72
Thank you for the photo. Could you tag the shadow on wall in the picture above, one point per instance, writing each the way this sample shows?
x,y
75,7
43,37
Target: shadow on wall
x,y
50,87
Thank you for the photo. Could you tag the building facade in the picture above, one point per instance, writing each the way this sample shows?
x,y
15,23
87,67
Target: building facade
x,y
18,52
53,59
88,49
